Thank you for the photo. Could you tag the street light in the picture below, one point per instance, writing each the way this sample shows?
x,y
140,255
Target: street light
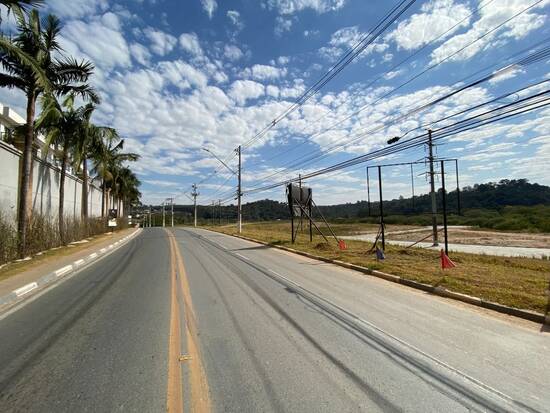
x,y
394,140
222,162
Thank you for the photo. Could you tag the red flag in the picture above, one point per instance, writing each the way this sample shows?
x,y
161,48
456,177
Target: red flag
x,y
342,244
446,261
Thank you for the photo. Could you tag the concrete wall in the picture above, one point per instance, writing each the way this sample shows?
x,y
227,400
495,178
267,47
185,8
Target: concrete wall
x,y
46,178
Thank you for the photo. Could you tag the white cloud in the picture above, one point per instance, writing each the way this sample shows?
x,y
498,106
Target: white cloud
x,y
263,72
242,90
108,48
190,43
490,17
346,38
235,18
76,8
293,6
436,17
140,53
161,43
209,7
282,25
232,52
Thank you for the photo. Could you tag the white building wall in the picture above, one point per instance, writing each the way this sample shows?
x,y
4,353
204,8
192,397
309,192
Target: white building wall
x,y
46,178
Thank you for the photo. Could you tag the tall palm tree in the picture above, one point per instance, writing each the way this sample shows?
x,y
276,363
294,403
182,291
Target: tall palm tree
x,y
86,144
107,158
19,5
62,123
36,67
127,184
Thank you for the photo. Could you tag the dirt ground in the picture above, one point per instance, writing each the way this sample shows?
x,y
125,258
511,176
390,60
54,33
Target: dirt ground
x,y
478,237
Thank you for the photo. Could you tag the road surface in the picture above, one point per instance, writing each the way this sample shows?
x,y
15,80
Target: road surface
x,y
197,321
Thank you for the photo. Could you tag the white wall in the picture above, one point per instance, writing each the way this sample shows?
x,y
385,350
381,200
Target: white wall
x,y
46,179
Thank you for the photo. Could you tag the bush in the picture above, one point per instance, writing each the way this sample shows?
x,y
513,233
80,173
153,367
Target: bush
x,y
43,234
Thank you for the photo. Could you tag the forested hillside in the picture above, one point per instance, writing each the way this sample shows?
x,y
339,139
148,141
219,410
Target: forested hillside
x,y
508,204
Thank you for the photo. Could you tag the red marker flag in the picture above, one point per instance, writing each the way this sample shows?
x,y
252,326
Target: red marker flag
x,y
342,244
446,261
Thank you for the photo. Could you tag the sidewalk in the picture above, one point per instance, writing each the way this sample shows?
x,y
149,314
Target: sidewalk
x,y
32,271
540,253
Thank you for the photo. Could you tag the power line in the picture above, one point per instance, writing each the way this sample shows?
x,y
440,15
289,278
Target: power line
x,y
459,127
320,150
319,154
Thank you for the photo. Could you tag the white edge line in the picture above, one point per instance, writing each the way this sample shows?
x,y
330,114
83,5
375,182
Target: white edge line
x,y
242,256
32,286
78,262
25,289
63,270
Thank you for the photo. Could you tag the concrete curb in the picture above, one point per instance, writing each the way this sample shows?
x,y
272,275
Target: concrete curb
x,y
437,290
43,281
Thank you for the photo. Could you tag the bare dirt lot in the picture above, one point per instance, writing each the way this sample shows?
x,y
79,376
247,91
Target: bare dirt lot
x,y
462,235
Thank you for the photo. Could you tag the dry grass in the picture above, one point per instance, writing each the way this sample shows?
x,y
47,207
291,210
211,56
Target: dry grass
x,y
517,282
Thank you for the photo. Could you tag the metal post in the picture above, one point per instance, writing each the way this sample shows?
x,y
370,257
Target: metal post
x,y
432,189
163,216
381,208
444,196
239,194
412,185
368,191
310,217
457,188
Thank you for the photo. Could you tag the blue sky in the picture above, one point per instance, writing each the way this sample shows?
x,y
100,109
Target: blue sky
x,y
178,76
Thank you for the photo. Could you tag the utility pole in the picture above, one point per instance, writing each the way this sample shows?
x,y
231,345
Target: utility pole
x,y
239,193
368,190
432,188
300,186
163,216
172,210
195,194
220,212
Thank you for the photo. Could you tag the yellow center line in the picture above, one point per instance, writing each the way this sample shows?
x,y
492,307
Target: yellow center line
x,y
174,396
200,394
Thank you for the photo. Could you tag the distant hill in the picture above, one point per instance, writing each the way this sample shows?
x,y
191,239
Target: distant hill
x,y
482,204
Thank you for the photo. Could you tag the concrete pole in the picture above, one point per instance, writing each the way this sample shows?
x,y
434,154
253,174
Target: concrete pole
x,y
172,208
432,189
195,202
163,216
239,194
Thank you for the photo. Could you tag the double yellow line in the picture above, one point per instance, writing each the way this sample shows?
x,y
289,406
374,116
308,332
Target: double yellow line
x,y
200,396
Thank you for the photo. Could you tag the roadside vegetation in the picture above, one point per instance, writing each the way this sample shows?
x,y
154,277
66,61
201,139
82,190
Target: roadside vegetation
x,y
517,282
54,84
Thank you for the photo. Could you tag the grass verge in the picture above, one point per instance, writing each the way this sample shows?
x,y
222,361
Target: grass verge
x,y
517,282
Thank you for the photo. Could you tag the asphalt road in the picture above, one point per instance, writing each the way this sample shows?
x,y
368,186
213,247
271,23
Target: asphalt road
x,y
200,321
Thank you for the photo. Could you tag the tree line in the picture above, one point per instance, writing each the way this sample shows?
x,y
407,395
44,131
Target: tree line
x,y
34,62
508,204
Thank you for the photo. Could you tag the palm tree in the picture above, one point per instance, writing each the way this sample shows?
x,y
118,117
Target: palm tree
x,y
107,158
19,5
33,63
126,186
86,144
62,123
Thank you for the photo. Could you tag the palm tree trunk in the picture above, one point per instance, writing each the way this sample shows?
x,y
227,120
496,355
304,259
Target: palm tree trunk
x,y
103,199
84,207
62,197
25,189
